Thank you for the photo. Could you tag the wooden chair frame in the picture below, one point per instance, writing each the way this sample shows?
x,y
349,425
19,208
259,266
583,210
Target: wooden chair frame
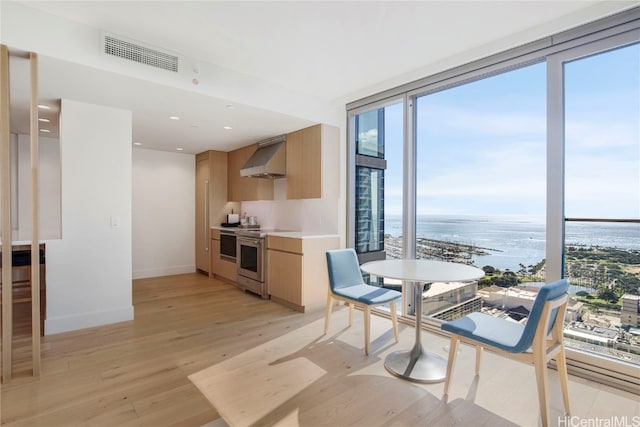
x,y
546,346
367,316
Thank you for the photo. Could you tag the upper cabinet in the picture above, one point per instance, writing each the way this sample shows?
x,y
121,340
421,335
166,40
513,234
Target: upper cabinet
x,y
313,160
245,188
312,167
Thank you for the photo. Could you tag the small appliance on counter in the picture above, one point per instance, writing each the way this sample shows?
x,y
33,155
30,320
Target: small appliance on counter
x,y
249,221
232,220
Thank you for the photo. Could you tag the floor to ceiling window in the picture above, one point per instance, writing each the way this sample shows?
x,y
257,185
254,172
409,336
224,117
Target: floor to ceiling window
x,y
602,200
480,183
526,164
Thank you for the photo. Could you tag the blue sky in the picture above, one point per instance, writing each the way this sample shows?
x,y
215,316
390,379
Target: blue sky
x,y
481,146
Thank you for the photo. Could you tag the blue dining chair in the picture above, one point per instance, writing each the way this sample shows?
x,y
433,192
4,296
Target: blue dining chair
x,y
537,342
346,284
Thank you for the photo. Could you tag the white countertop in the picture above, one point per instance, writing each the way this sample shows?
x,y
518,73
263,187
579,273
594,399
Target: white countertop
x,y
277,233
301,235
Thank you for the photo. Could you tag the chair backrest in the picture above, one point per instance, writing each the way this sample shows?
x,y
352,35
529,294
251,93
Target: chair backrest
x,y
546,293
344,269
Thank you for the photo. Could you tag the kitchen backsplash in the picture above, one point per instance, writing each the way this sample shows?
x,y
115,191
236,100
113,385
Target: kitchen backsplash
x,y
308,215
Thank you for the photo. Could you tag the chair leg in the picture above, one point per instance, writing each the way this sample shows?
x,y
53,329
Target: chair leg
x,y
394,319
561,362
453,346
367,328
350,314
327,314
478,358
540,363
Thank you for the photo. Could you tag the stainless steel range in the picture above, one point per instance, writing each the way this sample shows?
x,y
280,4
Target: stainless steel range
x,y
251,255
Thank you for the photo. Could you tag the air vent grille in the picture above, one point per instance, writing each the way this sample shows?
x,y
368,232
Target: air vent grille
x,y
141,54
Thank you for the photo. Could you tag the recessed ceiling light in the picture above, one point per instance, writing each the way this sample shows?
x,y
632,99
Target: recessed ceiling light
x,y
179,149
44,120
174,117
227,128
137,143
45,130
44,107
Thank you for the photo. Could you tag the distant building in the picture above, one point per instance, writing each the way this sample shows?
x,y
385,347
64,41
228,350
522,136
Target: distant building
x,y
510,299
507,298
591,334
449,301
630,313
575,310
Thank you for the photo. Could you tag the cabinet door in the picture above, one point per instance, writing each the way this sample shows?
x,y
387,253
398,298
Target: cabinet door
x,y
304,163
202,214
221,267
218,206
284,276
235,160
215,257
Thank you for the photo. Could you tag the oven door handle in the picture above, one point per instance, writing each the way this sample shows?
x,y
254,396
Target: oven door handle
x,y
249,241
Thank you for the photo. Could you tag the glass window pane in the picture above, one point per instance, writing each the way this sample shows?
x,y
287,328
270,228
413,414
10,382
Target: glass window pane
x,y
370,133
602,135
369,210
379,187
378,192
602,182
481,185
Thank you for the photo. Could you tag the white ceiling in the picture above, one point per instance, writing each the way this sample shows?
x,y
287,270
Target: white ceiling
x,y
328,52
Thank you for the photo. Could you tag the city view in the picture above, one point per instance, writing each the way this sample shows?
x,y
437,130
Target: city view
x,y
600,276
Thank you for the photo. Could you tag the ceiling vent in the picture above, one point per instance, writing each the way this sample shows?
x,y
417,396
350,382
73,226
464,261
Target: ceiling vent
x,y
140,53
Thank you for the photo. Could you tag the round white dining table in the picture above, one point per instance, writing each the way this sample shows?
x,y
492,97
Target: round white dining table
x,y
417,364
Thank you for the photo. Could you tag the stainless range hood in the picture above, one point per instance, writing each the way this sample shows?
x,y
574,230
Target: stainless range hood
x,y
268,161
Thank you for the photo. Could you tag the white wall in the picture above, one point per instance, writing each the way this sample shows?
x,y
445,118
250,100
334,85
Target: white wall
x,y
89,269
163,213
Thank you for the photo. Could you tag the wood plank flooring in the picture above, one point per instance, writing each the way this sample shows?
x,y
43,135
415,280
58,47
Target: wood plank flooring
x,y
200,349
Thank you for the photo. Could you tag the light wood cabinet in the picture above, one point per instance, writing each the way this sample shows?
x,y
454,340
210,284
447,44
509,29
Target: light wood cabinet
x,y
297,270
313,160
220,267
211,202
244,188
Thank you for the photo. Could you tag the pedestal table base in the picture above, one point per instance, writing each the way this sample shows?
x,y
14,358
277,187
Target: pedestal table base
x,y
417,365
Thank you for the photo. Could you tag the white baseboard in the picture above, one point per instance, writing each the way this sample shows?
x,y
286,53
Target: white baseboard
x,y
56,325
164,271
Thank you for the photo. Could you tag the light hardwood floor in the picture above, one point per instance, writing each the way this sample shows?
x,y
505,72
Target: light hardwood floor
x,y
200,349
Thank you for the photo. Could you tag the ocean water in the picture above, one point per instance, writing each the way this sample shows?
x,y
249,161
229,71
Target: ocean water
x,y
514,240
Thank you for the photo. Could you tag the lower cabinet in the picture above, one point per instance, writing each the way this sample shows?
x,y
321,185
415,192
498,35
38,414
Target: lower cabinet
x,y
297,270
220,268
